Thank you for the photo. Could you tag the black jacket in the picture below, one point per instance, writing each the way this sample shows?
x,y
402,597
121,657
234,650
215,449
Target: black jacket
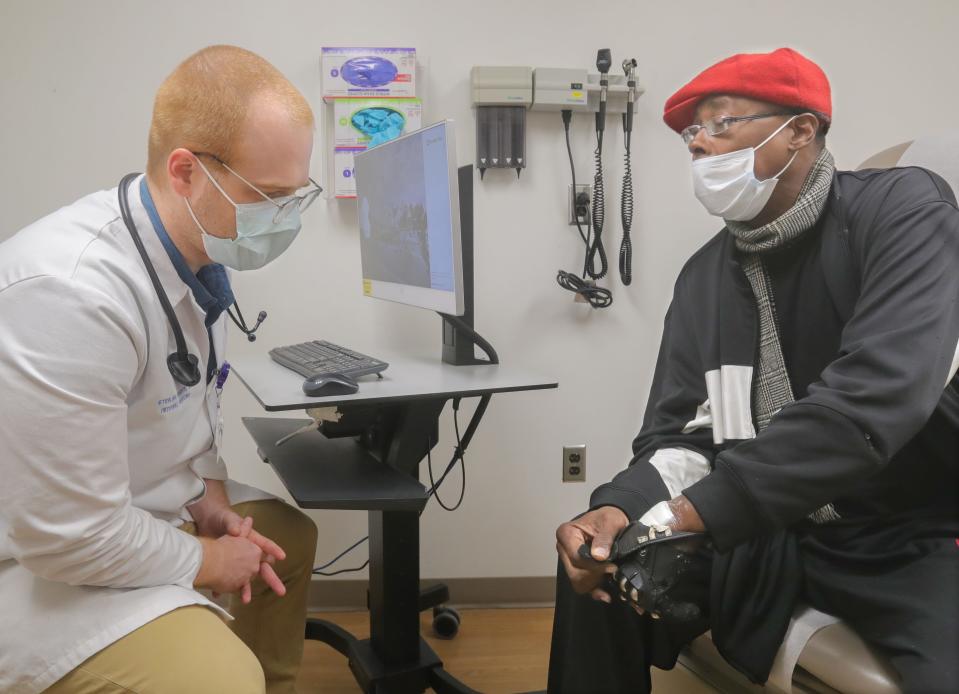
x,y
864,432
859,434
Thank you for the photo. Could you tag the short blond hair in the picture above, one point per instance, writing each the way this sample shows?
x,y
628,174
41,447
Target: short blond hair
x,y
203,104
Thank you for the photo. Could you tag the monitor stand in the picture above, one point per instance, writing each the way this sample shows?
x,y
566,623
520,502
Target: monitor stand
x,y
457,345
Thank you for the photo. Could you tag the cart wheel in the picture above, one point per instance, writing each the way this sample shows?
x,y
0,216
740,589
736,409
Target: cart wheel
x,y
446,622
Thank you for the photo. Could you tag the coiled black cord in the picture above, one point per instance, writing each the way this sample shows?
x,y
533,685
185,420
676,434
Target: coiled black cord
x,y
599,216
626,209
597,297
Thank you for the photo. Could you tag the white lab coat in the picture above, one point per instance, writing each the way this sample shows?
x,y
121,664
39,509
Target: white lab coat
x,y
100,449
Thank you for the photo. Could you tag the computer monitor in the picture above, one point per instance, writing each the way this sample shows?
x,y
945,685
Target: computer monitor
x,y
408,207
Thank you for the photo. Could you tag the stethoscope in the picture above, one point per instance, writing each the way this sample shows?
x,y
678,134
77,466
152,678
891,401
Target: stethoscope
x,y
184,366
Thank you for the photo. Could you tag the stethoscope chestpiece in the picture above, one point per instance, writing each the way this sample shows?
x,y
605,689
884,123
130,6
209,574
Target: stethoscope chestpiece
x,y
184,368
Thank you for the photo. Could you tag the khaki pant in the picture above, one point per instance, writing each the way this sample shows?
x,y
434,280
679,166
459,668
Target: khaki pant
x,y
191,650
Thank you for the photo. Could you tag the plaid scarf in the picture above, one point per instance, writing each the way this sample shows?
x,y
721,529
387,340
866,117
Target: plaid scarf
x,y
771,388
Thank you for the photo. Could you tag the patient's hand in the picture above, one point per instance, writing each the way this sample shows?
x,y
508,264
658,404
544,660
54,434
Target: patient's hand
x,y
598,529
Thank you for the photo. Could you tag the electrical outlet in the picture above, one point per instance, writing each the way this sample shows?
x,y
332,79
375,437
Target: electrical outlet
x,y
580,188
574,463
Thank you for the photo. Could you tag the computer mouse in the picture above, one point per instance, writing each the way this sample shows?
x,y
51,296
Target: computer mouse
x,y
330,384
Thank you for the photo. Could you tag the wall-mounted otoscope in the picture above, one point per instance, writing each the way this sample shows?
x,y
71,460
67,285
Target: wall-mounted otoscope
x,y
604,61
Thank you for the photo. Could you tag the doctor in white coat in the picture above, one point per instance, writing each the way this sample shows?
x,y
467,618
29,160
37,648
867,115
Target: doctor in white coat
x,y
115,506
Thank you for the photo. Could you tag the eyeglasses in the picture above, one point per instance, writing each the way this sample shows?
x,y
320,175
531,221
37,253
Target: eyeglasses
x,y
300,201
720,124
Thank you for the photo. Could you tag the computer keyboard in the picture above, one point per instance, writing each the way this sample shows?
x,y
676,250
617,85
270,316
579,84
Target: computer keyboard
x,y
319,358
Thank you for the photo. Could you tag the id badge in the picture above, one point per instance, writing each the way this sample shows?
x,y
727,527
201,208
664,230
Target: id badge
x,y
213,412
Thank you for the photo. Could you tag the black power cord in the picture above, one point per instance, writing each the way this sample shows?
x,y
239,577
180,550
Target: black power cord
x,y
458,452
581,200
493,357
473,336
597,297
457,455
319,571
432,492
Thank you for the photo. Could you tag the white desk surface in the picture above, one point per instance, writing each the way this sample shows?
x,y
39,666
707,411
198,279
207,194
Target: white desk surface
x,y
407,378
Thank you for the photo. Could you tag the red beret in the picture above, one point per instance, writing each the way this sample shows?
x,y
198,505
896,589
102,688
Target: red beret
x,y
782,77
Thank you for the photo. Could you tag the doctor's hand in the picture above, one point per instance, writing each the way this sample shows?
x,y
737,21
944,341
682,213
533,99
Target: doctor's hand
x,y
229,564
243,527
597,528
226,521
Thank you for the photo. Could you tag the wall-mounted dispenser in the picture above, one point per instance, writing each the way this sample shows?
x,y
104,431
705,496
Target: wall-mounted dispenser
x,y
501,96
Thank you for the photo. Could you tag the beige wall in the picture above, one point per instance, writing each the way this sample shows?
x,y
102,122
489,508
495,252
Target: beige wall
x,y
76,87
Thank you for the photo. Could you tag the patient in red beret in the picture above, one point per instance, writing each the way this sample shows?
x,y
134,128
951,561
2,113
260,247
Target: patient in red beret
x,y
798,454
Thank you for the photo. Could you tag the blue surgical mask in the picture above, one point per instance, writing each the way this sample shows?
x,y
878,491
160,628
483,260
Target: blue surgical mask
x,y
260,236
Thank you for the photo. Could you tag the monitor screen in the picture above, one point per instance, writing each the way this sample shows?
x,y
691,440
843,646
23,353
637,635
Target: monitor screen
x,y
408,210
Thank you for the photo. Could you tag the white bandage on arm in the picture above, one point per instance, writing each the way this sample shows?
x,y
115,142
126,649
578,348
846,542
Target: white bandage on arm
x,y
679,468
660,514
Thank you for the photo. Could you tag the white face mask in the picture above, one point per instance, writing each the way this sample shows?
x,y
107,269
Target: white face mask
x,y
727,186
259,239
